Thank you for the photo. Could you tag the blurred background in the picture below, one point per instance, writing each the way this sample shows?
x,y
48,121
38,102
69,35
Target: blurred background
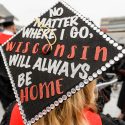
x,y
109,15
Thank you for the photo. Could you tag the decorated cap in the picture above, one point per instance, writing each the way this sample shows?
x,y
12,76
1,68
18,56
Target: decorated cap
x,y
54,57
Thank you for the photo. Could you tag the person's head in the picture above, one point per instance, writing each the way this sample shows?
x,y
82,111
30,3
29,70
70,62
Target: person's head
x,y
10,26
70,112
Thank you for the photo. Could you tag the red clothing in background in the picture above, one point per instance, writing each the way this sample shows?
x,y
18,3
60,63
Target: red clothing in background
x,y
4,37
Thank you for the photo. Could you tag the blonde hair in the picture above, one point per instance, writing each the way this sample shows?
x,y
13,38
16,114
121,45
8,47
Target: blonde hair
x,y
71,111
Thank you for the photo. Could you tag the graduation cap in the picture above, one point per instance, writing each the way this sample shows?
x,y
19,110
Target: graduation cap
x,y
8,21
54,57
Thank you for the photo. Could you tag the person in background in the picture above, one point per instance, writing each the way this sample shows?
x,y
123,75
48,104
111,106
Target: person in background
x,y
9,29
121,100
6,93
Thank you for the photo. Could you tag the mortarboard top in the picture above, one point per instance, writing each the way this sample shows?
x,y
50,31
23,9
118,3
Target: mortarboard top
x,y
54,57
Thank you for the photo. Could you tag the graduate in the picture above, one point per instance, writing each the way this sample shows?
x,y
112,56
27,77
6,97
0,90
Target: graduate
x,y
9,29
54,78
6,94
